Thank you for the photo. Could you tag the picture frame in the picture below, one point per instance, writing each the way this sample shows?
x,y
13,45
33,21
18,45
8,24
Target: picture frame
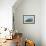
x,y
28,19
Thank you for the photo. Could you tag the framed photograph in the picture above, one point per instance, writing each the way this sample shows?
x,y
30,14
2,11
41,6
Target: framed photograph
x,y
28,19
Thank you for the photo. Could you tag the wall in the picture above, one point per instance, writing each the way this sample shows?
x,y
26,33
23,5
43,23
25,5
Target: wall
x,y
6,13
6,18
30,31
43,22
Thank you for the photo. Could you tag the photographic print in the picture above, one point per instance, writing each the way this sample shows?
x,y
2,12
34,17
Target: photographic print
x,y
29,19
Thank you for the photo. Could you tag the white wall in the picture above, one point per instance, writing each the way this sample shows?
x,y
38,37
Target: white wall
x,y
43,22
6,18
31,31
6,13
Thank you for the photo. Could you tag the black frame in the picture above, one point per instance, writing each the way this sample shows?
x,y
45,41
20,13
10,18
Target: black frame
x,y
29,15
